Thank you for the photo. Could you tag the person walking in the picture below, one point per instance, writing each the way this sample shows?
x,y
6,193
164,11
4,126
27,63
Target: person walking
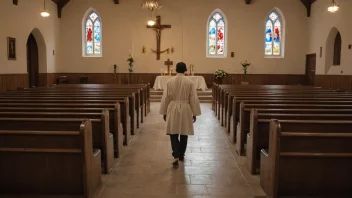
x,y
180,106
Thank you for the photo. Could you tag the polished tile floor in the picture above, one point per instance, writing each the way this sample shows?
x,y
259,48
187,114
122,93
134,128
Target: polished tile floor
x,y
211,168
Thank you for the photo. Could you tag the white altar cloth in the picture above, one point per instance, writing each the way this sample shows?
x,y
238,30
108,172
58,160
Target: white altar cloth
x,y
199,81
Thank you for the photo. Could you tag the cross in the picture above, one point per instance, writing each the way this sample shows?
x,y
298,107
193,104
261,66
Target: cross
x,y
168,63
157,27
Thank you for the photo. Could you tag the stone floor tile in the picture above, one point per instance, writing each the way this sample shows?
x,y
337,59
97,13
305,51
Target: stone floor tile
x,y
191,190
237,190
201,179
159,189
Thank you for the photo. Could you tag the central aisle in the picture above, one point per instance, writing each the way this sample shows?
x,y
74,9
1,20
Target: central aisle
x,y
209,171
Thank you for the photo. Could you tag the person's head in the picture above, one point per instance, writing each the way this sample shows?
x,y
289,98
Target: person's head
x,y
181,68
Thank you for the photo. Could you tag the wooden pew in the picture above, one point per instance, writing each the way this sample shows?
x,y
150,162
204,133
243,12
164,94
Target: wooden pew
x,y
308,163
239,135
116,127
102,138
226,93
228,106
236,105
258,89
144,88
134,111
140,99
134,96
258,138
124,110
35,162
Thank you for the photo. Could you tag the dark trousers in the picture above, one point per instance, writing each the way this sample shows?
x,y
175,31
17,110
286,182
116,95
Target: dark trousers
x,y
178,146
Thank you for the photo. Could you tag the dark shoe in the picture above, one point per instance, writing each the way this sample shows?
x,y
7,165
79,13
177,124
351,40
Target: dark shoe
x,y
175,163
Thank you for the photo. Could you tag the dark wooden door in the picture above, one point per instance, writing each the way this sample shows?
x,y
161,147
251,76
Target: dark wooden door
x,y
310,69
32,61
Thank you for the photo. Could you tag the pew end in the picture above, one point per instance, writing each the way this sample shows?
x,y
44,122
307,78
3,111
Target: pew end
x,y
311,171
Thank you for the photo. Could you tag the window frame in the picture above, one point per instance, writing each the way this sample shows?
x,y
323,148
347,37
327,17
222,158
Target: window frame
x,y
224,19
283,35
84,41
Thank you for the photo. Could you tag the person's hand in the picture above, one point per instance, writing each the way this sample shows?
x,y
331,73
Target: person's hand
x,y
165,118
194,119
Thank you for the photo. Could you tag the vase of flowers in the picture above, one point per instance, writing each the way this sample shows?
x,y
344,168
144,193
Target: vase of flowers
x,y
219,75
130,61
245,66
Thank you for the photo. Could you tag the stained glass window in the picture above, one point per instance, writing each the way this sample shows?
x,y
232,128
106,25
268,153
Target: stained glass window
x,y
273,35
92,37
216,35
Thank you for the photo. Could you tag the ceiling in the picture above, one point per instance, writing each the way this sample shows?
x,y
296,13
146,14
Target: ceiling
x,y
61,4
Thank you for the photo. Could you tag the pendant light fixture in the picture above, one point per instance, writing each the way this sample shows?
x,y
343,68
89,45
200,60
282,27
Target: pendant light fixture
x,y
151,22
333,7
45,13
151,5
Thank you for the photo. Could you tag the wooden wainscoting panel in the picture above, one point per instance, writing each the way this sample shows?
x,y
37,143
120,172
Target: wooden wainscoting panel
x,y
342,82
13,81
141,78
46,79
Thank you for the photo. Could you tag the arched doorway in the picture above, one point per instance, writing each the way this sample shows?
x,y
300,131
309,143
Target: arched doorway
x,y
32,61
331,49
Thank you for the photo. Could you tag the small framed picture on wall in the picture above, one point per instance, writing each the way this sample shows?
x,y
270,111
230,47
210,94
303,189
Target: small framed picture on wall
x,y
11,48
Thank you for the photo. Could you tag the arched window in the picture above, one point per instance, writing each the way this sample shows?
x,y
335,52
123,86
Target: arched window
x,y
274,34
216,35
92,41
337,49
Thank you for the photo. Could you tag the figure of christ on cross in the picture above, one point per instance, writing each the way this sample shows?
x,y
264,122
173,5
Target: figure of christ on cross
x,y
168,63
157,27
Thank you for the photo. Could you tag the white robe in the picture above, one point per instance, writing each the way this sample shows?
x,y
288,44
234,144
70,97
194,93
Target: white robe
x,y
180,103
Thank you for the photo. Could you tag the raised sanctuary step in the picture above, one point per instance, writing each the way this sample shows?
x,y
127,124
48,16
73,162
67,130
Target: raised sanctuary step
x,y
204,96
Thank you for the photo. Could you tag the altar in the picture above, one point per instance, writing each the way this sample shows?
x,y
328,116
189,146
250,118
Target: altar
x,y
161,81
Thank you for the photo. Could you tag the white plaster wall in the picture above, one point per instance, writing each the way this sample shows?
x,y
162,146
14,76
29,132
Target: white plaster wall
x,y
124,28
18,22
320,24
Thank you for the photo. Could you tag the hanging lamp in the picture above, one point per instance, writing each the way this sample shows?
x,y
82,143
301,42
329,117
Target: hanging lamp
x,y
45,13
333,7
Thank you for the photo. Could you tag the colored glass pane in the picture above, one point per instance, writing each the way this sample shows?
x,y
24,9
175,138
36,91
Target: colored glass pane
x,y
269,38
97,31
273,34
93,34
89,47
217,16
93,16
273,16
216,35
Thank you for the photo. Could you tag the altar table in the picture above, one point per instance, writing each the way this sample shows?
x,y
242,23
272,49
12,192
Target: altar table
x,y
161,81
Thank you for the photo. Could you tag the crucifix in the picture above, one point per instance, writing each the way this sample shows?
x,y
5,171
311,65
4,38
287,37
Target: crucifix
x,y
157,27
168,63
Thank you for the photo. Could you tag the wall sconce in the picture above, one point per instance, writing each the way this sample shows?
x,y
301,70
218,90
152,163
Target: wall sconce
x,y
143,49
172,50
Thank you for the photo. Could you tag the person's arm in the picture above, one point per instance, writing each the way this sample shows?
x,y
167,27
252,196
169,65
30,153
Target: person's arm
x,y
165,101
194,102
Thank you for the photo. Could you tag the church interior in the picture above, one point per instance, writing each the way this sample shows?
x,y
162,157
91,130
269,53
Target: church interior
x,y
82,82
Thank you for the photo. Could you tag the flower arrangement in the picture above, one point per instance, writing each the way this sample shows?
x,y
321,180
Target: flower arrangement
x,y
245,66
220,74
130,61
